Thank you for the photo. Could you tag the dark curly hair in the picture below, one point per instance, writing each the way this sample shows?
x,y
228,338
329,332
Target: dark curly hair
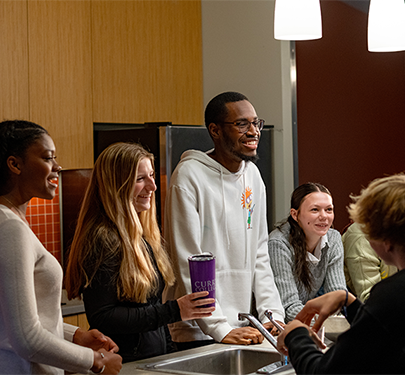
x,y
16,136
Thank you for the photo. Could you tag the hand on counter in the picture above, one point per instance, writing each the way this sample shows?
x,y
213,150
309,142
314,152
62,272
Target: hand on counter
x,y
95,340
243,336
190,306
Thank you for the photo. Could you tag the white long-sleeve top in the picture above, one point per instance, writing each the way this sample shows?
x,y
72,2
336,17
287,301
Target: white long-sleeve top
x,y
208,208
33,337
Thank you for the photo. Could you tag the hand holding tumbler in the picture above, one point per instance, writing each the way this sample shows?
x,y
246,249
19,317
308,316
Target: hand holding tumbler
x,y
202,274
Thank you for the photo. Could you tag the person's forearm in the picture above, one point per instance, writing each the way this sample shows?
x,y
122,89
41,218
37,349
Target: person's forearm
x,y
347,298
304,354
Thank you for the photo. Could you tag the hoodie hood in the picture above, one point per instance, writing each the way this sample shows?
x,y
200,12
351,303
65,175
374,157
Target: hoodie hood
x,y
208,161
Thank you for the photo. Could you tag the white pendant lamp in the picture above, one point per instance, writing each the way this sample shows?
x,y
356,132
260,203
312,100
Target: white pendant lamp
x,y
298,20
386,26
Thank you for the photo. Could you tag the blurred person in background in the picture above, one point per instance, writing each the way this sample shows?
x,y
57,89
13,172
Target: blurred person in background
x,y
363,267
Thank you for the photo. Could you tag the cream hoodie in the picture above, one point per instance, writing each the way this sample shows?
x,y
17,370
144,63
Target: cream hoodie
x,y
209,208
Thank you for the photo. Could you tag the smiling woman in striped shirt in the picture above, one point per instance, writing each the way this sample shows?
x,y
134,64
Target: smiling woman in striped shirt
x,y
306,254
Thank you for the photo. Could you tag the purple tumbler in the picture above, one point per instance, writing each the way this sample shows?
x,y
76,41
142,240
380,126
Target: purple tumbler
x,y
202,274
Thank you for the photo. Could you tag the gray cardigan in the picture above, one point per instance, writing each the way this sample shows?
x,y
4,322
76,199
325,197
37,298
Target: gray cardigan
x,y
327,273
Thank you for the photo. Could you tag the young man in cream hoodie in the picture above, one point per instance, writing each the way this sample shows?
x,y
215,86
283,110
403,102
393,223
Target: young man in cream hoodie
x,y
216,203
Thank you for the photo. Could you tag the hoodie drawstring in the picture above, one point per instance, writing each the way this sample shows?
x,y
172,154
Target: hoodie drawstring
x,y
228,241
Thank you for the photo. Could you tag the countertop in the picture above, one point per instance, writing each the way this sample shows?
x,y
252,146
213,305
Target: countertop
x,y
72,307
132,367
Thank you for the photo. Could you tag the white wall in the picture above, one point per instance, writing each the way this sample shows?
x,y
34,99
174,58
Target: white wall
x,y
241,54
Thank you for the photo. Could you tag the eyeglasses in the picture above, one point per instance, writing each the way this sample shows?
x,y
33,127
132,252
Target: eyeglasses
x,y
244,125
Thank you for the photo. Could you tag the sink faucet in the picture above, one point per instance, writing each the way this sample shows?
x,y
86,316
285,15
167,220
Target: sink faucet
x,y
269,314
267,335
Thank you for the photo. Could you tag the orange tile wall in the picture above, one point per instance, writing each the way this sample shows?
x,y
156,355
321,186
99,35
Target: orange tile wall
x,y
44,219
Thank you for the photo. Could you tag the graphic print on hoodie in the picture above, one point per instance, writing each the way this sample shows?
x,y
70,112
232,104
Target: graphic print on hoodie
x,y
247,202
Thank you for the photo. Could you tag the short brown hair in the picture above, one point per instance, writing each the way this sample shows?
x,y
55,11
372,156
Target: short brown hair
x,y
380,209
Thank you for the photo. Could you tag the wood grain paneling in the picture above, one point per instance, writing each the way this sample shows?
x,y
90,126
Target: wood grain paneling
x,y
82,322
14,60
79,320
60,76
146,65
147,60
71,319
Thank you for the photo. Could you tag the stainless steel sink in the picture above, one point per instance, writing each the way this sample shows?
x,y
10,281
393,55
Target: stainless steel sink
x,y
232,360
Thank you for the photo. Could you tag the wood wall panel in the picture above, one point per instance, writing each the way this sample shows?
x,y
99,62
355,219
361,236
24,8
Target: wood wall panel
x,y
60,76
82,322
147,61
67,64
14,60
79,320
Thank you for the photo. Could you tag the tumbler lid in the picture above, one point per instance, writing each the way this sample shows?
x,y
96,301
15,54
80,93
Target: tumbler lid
x,y
203,257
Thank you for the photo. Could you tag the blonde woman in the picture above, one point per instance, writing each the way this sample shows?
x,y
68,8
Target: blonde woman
x,y
117,260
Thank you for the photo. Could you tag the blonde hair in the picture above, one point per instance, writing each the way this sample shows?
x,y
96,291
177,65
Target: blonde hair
x,y
380,209
108,215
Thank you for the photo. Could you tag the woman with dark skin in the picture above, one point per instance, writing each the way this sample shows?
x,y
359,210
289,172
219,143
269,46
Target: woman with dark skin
x,y
33,337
